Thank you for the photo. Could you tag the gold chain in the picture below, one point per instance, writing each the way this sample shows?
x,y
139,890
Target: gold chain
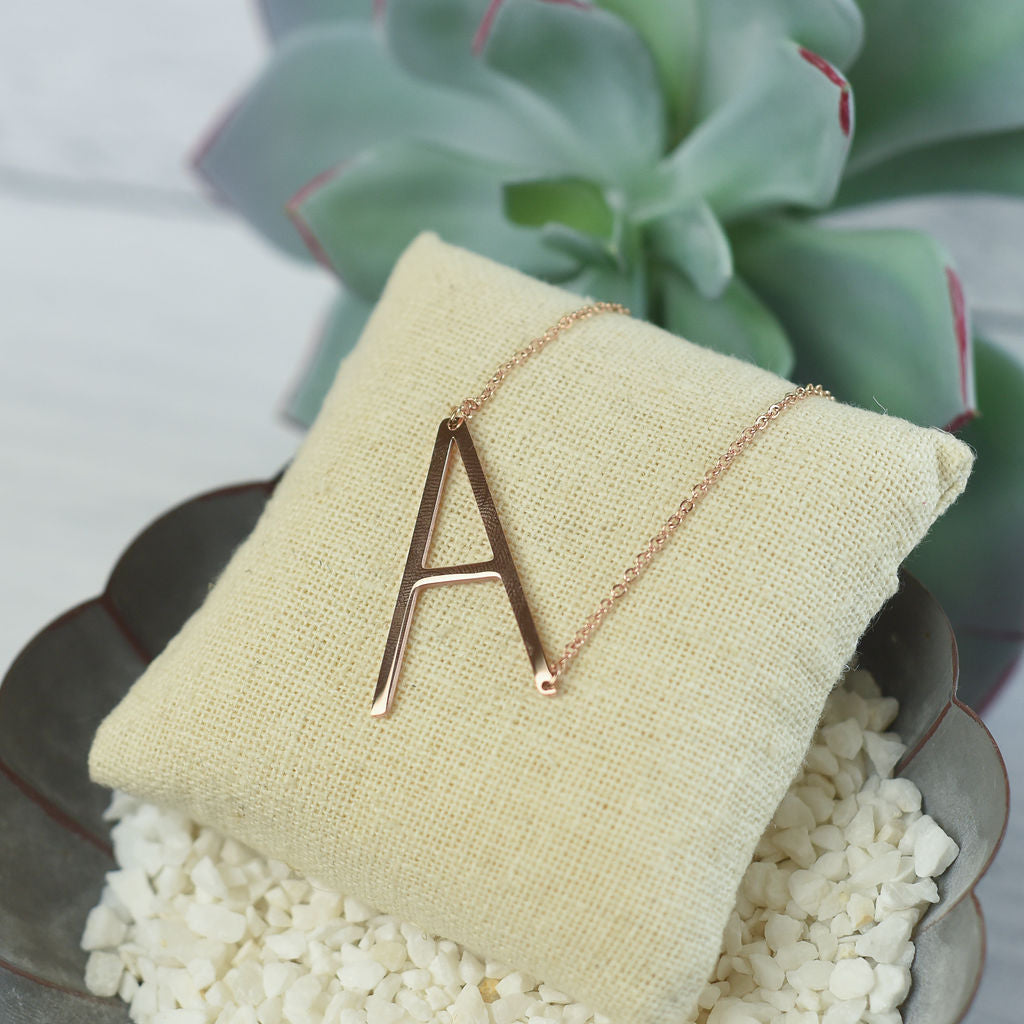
x,y
469,406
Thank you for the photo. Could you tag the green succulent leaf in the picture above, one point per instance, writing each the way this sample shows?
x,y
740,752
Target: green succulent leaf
x,y
876,315
693,242
361,218
438,40
782,140
283,16
973,557
737,36
345,322
327,94
736,323
982,163
606,282
583,248
574,202
672,34
594,70
934,71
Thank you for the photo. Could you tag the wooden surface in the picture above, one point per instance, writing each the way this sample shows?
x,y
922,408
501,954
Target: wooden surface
x,y
148,339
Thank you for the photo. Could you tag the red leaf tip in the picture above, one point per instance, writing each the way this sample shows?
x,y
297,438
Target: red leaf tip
x,y
487,21
959,308
837,79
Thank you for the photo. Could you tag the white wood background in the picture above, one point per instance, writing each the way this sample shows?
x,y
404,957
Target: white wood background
x,y
147,339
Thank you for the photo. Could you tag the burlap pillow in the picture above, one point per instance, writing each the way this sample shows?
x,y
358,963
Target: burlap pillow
x,y
595,839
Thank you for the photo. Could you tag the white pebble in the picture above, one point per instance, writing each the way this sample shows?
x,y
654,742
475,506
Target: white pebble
x,y
356,910
246,982
444,969
892,983
884,751
780,930
362,976
469,1007
203,972
792,812
847,1011
861,829
860,909
886,1017
103,929
880,869
179,1016
388,988
301,995
851,979
731,1011
800,953
184,989
438,997
128,987
289,945
829,837
215,922
471,971
511,1007
844,811
822,761
844,739
886,940
103,973
897,896
882,713
278,976
766,971
418,978
902,793
552,995
825,942
514,983
814,974
808,889
389,953
831,865
132,888
422,949
207,878
795,844
933,850
801,1017
818,801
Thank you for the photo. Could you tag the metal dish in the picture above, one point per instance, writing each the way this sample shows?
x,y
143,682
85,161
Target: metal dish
x,y
53,845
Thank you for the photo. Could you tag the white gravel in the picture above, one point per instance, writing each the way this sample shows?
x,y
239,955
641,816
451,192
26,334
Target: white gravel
x,y
196,929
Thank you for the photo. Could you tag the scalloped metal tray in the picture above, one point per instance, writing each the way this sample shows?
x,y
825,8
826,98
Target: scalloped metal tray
x,y
54,849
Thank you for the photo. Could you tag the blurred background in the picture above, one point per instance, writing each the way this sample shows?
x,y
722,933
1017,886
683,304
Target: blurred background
x,y
150,339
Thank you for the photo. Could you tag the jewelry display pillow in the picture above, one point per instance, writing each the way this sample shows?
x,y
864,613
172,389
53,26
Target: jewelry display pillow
x,y
594,839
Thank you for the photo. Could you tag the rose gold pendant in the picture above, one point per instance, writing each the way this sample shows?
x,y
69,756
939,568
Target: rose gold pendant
x,y
416,576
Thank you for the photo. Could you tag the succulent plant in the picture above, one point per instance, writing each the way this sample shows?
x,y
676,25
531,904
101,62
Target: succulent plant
x,y
678,156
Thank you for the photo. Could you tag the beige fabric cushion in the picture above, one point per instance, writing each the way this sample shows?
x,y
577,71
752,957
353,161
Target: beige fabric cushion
x,y
595,839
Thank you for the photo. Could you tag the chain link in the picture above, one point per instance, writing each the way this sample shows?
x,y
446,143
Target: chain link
x,y
674,521
468,407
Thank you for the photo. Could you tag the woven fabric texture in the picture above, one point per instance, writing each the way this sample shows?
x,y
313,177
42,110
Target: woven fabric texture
x,y
595,839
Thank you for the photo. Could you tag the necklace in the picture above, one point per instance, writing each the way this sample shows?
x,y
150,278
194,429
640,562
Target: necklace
x,y
452,433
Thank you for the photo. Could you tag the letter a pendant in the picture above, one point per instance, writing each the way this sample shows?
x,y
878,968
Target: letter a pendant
x,y
416,576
